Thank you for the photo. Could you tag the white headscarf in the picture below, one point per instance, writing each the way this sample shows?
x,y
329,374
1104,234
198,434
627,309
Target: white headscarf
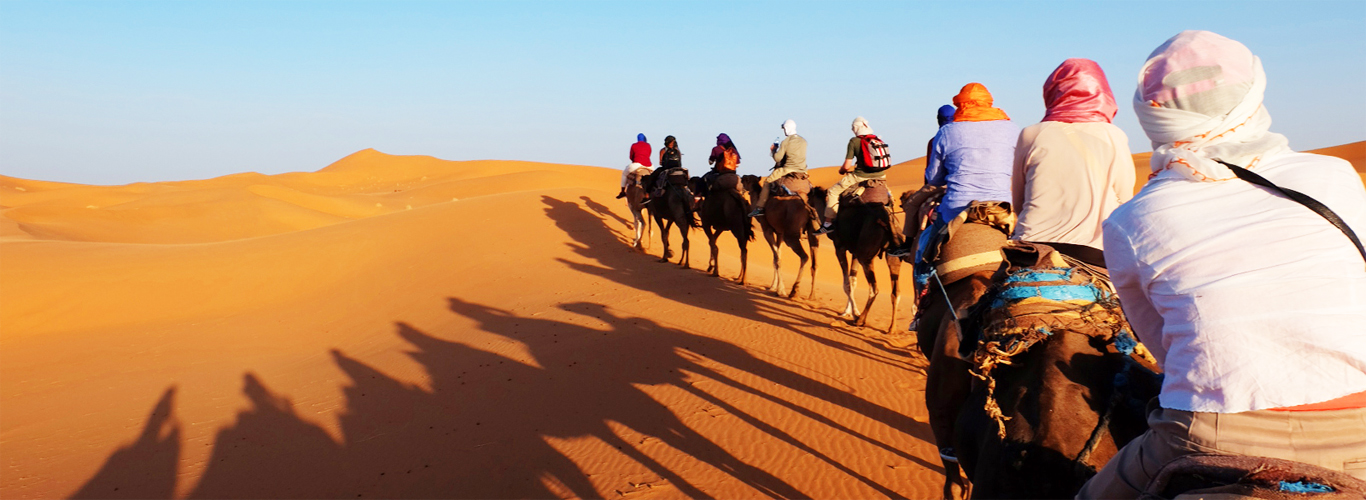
x,y
861,127
1199,98
789,128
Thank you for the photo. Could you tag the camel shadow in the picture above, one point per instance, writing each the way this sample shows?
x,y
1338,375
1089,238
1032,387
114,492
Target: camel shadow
x,y
602,247
484,425
147,467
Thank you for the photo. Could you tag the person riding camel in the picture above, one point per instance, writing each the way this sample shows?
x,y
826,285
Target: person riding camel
x,y
670,158
1073,168
788,156
724,159
1252,301
856,169
971,158
640,164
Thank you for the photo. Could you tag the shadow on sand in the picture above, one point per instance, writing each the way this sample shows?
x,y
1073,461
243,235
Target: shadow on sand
x,y
486,425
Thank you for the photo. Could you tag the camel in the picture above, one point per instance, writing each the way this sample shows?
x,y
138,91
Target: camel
x,y
635,202
863,230
1062,385
725,209
787,217
944,300
673,208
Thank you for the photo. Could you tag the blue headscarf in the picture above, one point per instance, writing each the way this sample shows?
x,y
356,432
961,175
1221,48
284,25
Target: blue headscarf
x,y
946,114
640,138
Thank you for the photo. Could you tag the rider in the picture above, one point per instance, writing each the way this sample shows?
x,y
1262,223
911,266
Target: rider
x,y
1254,305
856,170
972,158
788,157
1073,168
669,158
640,164
724,159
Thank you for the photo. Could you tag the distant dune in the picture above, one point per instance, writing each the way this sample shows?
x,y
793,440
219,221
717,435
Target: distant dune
x,y
911,174
403,326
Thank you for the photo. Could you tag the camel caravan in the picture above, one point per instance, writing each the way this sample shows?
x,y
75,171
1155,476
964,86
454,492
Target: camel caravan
x,y
1203,338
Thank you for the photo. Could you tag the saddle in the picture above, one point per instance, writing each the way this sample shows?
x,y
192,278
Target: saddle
x,y
1043,293
872,191
1234,476
725,181
795,184
972,241
676,176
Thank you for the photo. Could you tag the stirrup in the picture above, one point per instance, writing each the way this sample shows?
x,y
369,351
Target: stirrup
x,y
948,454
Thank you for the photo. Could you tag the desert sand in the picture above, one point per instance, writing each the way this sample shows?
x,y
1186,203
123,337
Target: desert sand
x,y
403,326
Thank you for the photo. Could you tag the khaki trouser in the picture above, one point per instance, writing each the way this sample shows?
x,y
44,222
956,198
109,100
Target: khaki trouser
x,y
1334,439
633,173
832,196
778,173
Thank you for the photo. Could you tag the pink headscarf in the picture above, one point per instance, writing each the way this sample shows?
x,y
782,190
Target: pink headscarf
x,y
1078,92
1199,99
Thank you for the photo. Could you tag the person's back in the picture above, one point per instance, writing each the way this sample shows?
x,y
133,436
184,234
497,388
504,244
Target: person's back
x,y
1073,168
972,156
976,159
1248,297
1253,304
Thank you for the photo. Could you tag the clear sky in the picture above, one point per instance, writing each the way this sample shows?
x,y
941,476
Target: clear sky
x,y
115,92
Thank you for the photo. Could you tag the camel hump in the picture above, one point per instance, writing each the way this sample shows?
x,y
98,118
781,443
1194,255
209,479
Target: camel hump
x,y
869,191
1240,476
793,184
972,241
726,181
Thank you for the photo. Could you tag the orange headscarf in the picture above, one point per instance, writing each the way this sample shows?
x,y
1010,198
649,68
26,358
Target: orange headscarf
x,y
974,105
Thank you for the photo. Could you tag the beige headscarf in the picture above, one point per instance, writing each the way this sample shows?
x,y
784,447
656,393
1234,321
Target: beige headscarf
x,y
1199,98
861,127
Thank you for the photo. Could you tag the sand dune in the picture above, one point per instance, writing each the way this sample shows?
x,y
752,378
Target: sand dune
x,y
403,326
308,334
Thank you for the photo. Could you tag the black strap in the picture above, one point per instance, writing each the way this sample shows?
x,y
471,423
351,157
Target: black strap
x,y
1301,198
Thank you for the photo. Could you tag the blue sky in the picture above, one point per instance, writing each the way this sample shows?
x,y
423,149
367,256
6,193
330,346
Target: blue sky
x,y
118,92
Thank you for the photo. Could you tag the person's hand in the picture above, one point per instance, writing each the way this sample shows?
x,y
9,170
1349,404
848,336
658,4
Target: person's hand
x,y
844,169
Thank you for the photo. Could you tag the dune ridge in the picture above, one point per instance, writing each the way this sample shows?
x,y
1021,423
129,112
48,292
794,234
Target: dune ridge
x,y
404,326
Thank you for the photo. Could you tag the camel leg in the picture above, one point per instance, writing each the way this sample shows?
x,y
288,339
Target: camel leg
x,y
953,474
894,269
684,261
713,261
872,292
777,266
664,235
650,224
776,246
850,283
812,241
744,253
794,242
635,224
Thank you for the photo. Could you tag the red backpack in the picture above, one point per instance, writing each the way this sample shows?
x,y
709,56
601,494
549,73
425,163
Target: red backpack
x,y
875,156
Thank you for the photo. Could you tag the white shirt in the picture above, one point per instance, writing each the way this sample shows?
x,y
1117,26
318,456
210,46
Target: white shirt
x,y
1068,178
1248,300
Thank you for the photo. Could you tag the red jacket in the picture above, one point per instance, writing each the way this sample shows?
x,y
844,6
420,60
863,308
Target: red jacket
x,y
640,153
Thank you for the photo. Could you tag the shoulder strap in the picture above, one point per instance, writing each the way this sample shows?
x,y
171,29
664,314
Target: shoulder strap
x,y
1300,198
